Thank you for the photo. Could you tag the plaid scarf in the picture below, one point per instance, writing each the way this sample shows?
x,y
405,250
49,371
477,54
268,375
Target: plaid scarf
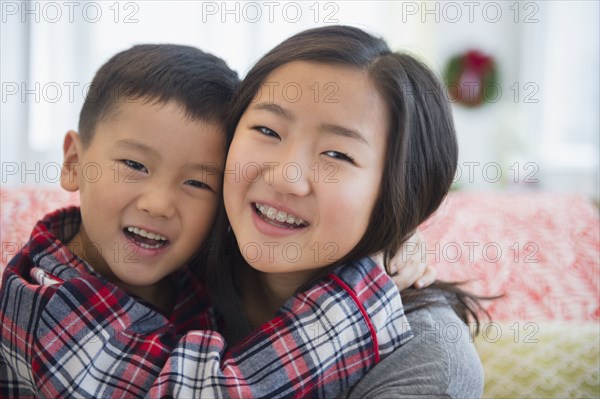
x,y
68,332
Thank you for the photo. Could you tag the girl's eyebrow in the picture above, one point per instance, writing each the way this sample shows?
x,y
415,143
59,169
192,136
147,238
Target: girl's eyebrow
x,y
325,127
276,109
342,131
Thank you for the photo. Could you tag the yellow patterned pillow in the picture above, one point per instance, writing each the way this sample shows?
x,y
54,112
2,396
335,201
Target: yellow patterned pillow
x,y
540,360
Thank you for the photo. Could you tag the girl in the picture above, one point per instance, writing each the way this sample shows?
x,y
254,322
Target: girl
x,y
340,148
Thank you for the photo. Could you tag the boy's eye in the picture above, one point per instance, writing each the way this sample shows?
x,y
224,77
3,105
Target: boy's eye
x,y
339,155
198,184
135,165
266,131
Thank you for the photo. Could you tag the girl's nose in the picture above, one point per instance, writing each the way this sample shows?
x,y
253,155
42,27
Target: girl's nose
x,y
290,173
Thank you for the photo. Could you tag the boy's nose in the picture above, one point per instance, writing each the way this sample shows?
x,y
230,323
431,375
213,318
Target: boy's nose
x,y
158,202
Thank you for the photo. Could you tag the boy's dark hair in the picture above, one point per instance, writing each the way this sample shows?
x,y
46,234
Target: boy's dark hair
x,y
201,83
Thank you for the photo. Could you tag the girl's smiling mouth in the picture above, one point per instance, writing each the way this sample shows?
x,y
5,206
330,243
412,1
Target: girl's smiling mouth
x,y
278,217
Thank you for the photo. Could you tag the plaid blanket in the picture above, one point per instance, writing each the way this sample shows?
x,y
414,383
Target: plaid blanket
x,y
67,332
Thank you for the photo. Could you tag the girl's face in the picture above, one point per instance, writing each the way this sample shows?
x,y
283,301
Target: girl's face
x,y
305,167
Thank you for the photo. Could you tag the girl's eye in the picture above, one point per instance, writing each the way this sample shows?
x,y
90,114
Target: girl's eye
x,y
339,155
135,165
266,131
197,184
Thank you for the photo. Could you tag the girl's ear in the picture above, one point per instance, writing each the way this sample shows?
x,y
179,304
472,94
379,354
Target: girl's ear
x,y
71,169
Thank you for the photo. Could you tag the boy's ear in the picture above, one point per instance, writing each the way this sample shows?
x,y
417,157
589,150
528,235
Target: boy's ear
x,y
69,175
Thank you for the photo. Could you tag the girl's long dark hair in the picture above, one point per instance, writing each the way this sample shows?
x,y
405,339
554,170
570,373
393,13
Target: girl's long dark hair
x,y
420,163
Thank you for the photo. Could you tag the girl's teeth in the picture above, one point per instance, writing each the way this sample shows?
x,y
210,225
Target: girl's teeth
x,y
280,216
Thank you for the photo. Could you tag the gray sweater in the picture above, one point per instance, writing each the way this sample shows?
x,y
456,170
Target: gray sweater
x,y
439,362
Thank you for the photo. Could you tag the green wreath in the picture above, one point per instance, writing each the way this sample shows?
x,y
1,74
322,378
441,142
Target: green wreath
x,y
471,79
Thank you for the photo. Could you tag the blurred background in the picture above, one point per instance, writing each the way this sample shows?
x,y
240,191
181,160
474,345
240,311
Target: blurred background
x,y
523,76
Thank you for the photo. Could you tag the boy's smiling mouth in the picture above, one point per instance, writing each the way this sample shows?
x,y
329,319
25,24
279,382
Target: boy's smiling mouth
x,y
145,239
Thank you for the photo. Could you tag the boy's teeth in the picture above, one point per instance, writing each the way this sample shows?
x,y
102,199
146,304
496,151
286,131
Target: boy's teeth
x,y
144,233
148,246
278,215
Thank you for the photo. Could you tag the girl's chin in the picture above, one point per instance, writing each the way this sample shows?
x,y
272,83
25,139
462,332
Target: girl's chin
x,y
296,270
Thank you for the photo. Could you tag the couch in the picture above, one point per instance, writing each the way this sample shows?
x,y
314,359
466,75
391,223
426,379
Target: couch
x,y
540,250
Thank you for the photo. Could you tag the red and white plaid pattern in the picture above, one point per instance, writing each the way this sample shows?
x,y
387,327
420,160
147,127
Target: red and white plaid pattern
x,y
84,337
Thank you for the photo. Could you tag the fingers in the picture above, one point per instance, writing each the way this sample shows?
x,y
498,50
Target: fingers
x,y
407,274
427,278
407,267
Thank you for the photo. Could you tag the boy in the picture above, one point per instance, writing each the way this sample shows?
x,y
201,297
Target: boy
x,y
147,163
108,283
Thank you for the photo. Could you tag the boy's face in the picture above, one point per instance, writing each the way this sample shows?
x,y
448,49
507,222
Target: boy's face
x,y
149,183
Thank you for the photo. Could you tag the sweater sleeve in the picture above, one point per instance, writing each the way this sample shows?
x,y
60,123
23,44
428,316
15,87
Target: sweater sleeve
x,y
440,362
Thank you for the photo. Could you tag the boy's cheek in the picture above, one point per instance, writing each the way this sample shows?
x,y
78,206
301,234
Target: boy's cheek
x,y
200,221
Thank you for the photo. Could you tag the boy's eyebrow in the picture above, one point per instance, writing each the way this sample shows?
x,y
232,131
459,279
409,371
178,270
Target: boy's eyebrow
x,y
210,167
325,127
139,146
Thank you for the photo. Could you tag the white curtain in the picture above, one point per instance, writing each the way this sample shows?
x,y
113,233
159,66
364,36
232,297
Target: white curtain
x,y
51,50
